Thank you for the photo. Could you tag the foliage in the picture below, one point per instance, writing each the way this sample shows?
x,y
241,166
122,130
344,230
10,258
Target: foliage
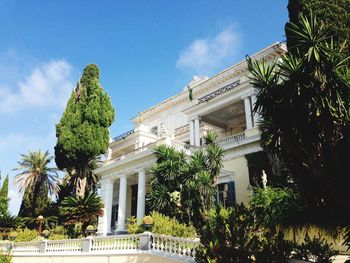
x,y
24,235
133,226
315,250
274,206
4,196
274,248
5,258
334,15
304,100
83,210
36,180
347,236
170,226
228,236
182,186
82,133
7,223
57,233
162,225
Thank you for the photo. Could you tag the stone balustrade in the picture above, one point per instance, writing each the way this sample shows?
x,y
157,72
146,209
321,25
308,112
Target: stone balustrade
x,y
181,249
235,138
178,247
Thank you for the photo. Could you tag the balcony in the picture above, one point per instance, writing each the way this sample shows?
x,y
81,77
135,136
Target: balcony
x,y
178,145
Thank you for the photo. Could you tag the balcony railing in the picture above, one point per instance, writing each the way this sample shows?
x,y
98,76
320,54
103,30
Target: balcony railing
x,y
235,138
178,145
123,136
182,249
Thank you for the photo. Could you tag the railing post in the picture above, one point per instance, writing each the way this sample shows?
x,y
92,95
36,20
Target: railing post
x,y
145,241
42,246
86,244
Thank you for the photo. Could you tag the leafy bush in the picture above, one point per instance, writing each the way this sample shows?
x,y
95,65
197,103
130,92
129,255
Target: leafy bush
x,y
315,250
232,235
227,237
24,235
274,248
170,226
5,258
274,206
162,225
132,226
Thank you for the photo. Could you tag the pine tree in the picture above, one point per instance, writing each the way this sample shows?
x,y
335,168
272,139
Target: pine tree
x,y
83,131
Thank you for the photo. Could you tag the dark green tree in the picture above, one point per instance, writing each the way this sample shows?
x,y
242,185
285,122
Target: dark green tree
x,y
334,15
304,101
4,196
83,131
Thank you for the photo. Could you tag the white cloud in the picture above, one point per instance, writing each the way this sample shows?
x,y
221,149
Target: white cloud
x,y
206,55
48,85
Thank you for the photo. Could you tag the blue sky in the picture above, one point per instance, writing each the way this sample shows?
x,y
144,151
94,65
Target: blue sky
x,y
146,52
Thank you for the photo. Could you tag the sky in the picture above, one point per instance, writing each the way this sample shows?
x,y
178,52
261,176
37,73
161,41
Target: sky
x,y
146,51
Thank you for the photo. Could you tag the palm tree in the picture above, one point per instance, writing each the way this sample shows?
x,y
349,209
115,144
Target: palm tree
x,y
81,209
90,180
304,100
36,177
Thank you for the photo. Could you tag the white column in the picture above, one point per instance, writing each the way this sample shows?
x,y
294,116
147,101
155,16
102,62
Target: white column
x,y
141,194
248,112
197,138
191,132
256,116
122,203
104,222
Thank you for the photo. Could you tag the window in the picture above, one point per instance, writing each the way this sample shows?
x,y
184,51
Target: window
x,y
154,130
225,194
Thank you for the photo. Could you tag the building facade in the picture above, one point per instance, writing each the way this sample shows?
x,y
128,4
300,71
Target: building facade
x,y
222,103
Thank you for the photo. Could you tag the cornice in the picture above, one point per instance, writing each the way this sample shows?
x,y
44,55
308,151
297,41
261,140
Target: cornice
x,y
239,69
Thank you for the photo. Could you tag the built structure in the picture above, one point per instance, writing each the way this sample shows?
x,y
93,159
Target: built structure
x,y
222,103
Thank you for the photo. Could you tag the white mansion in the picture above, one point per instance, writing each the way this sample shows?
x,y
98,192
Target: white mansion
x,y
222,103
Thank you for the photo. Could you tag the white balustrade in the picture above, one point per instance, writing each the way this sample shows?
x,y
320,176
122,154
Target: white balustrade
x,y
182,248
26,247
67,246
115,243
236,138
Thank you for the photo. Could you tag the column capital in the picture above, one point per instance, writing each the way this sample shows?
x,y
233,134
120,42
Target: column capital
x,y
245,96
143,169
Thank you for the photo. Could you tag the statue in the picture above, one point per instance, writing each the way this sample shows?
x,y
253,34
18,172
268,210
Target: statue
x,y
264,179
140,116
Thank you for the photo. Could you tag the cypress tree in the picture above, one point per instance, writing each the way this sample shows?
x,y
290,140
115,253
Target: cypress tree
x,y
5,187
4,196
83,131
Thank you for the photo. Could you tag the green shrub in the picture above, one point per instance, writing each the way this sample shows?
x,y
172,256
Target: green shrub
x,y
232,235
5,258
162,225
132,226
274,248
228,236
24,235
274,206
170,226
315,250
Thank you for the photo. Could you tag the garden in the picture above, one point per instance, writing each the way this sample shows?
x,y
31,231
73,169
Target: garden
x,y
301,211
